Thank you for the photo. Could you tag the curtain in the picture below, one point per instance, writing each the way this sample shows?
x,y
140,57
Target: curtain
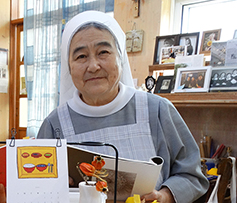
x,y
44,22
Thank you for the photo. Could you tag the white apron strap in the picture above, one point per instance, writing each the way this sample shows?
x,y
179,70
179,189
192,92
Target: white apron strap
x,y
65,120
141,107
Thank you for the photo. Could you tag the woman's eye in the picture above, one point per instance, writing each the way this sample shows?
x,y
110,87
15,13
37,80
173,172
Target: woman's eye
x,y
81,56
104,52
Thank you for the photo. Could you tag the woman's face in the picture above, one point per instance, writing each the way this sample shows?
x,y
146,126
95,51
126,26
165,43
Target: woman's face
x,y
93,60
187,42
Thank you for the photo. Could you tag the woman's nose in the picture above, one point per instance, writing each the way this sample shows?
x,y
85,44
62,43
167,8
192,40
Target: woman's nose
x,y
93,64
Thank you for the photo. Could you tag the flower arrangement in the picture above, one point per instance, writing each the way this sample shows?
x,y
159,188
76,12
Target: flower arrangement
x,y
95,169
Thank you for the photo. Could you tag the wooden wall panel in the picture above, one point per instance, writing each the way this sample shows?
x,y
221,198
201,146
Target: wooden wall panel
x,y
4,43
149,21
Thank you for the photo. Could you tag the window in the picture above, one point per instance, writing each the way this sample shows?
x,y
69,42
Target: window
x,y
18,95
199,16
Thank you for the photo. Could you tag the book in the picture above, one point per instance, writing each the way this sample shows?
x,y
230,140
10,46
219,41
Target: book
x,y
134,176
3,165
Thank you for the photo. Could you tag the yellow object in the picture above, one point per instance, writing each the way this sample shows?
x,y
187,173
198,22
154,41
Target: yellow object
x,y
26,137
212,171
134,199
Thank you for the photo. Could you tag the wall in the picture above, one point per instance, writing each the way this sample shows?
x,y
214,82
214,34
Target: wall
x,y
219,123
4,43
149,21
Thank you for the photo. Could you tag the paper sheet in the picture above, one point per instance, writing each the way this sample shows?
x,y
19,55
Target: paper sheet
x,y
3,70
37,171
131,175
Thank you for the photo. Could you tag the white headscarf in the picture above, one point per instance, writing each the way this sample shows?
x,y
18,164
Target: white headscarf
x,y
67,87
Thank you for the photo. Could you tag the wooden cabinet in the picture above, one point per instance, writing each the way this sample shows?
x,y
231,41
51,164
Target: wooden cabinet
x,y
211,113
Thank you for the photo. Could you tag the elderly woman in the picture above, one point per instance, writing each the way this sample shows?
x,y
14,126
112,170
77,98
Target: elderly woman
x,y
99,103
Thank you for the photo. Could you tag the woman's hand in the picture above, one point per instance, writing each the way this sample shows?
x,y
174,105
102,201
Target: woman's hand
x,y
71,181
2,194
162,196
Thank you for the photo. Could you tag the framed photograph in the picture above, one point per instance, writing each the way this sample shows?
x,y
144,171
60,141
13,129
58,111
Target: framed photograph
x,y
218,53
224,79
163,41
231,53
187,61
163,84
191,41
168,54
195,79
207,38
150,83
235,34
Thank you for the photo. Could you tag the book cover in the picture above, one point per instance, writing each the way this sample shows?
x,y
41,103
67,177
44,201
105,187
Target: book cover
x,y
131,173
3,165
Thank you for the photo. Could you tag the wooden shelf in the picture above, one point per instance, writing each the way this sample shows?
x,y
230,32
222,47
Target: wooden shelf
x,y
160,67
197,99
209,99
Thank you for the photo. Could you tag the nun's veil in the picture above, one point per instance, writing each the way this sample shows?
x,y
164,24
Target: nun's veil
x,y
67,87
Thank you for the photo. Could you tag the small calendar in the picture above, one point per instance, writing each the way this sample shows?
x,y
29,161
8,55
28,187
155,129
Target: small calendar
x,y
37,171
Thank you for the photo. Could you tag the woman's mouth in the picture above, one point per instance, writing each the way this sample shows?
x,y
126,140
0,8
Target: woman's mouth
x,y
94,79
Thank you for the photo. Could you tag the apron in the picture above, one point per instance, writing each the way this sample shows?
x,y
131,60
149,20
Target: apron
x,y
133,141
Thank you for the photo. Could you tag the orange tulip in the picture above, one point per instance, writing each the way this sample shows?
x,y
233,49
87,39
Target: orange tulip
x,y
101,186
98,162
87,169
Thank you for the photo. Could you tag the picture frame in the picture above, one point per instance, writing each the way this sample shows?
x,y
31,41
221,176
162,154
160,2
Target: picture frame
x,y
187,61
235,34
168,54
231,53
191,41
150,83
218,53
163,84
163,41
223,79
194,79
207,38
